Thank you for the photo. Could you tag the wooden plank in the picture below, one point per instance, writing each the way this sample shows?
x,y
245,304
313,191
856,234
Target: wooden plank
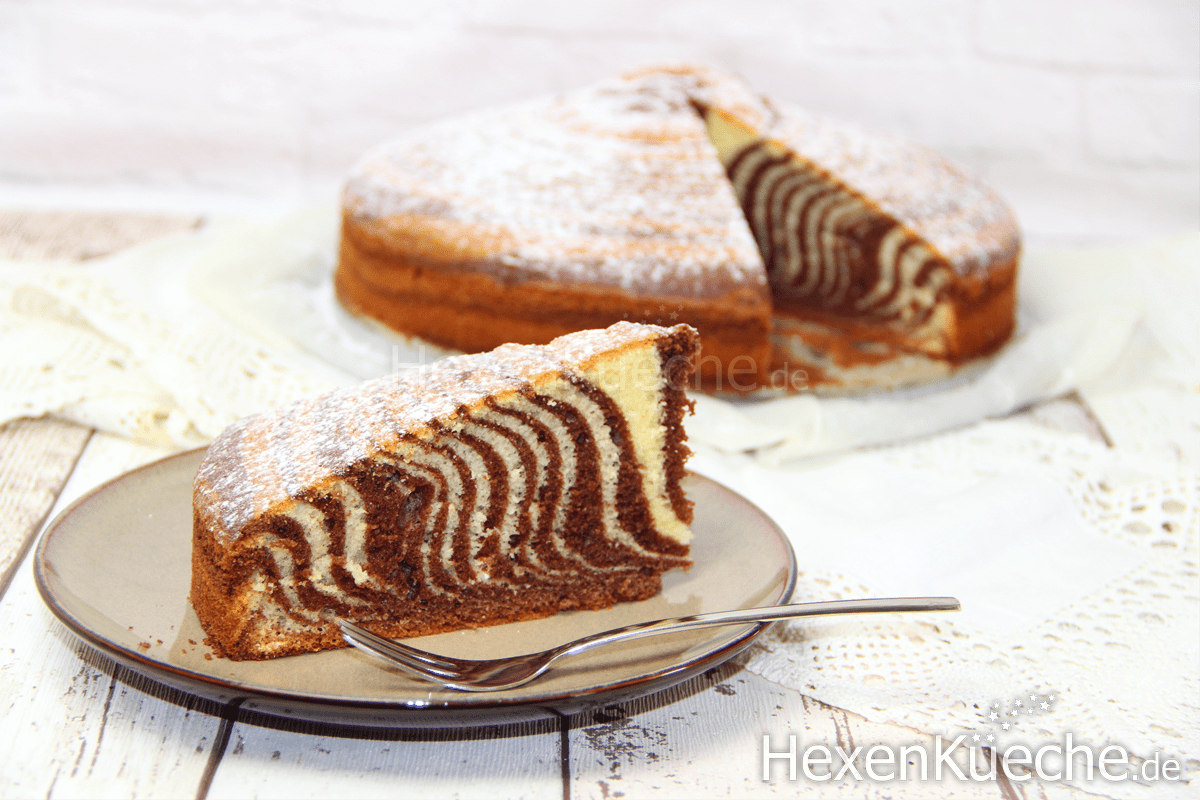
x,y
297,760
36,457
704,739
74,724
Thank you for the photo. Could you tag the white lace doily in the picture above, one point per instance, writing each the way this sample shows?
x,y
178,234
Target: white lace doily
x,y
1093,598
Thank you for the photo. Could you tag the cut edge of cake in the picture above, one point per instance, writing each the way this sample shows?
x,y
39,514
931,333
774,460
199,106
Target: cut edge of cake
x,y
943,306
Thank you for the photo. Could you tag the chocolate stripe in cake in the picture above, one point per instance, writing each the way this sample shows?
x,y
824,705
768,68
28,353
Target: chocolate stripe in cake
x,y
633,514
398,517
745,171
553,475
419,514
797,270
500,557
441,552
280,561
583,534
487,479
793,194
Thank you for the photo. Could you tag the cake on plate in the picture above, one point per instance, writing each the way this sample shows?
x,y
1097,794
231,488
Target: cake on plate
x,y
808,253
490,488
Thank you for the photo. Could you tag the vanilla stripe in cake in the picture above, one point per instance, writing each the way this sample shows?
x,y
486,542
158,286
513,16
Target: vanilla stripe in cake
x,y
495,487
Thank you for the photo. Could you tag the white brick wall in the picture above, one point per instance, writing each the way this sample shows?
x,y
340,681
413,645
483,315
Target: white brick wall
x,y
1084,113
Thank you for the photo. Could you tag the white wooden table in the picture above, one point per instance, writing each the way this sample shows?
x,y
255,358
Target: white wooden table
x,y
74,724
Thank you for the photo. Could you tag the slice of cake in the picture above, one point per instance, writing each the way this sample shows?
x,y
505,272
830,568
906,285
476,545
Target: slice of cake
x,y
488,489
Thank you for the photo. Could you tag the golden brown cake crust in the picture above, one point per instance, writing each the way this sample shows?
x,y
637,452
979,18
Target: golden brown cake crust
x,y
473,311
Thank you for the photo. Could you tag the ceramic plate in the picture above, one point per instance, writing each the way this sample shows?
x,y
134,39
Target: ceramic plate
x,y
115,568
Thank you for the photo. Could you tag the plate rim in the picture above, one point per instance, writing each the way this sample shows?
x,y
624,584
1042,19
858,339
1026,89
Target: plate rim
x,y
211,686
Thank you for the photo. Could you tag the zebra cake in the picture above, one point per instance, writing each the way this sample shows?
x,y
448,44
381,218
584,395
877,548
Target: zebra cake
x,y
809,253
491,488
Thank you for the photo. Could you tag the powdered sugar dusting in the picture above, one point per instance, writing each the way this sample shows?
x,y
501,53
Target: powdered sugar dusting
x,y
615,185
265,460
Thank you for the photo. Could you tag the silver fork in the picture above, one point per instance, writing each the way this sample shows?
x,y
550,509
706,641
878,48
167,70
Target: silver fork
x,y
494,674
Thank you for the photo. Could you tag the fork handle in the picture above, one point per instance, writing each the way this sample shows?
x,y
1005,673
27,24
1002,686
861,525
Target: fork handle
x,y
764,614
